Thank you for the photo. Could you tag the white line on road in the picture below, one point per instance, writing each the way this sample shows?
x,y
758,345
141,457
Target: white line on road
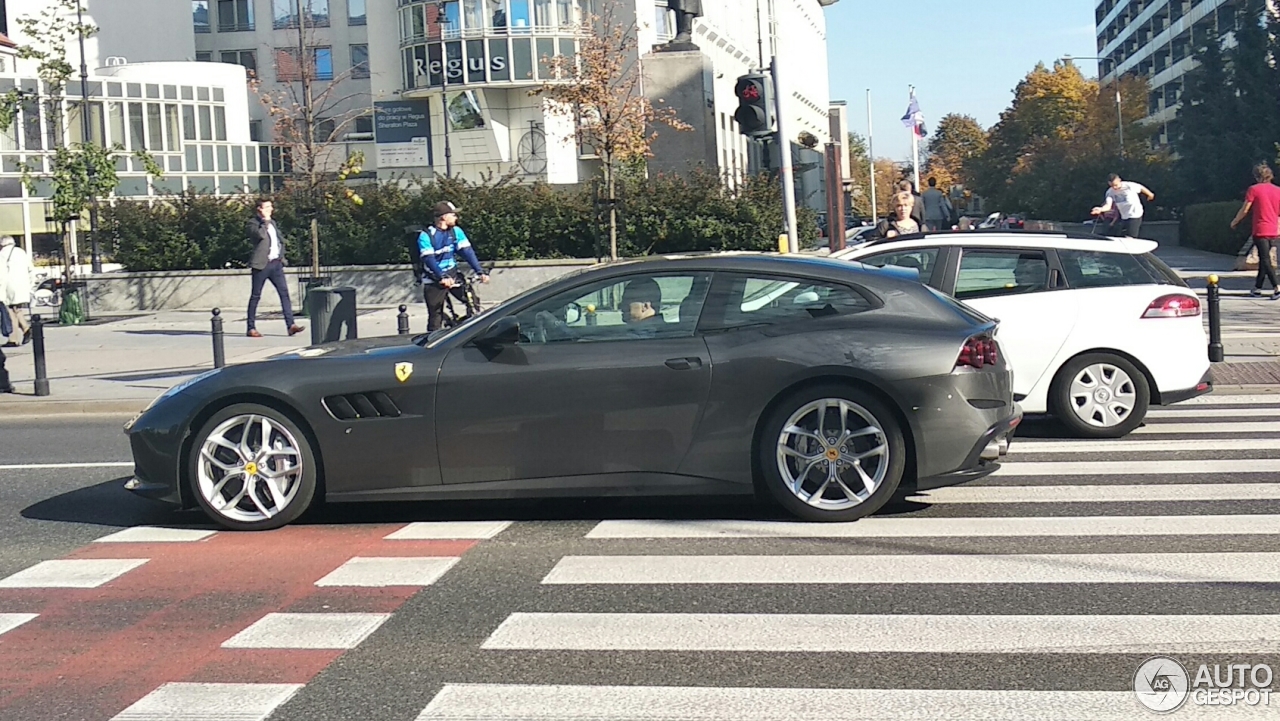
x,y
1136,446
1103,494
1193,428
468,702
1073,526
1148,468
39,466
886,633
10,621
1203,412
1033,568
1218,399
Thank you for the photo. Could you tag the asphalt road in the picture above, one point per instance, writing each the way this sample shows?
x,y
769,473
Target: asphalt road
x,y
1058,577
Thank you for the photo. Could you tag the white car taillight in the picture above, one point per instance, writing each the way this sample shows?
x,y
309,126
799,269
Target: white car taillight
x,y
1175,305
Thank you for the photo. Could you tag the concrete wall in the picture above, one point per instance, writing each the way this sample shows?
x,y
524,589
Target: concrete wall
x,y
1164,232
376,285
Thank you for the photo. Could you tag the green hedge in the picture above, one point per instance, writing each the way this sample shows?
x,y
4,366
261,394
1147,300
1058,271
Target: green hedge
x,y
507,221
1207,226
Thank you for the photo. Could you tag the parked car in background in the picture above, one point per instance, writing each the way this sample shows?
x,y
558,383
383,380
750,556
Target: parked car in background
x,y
1097,329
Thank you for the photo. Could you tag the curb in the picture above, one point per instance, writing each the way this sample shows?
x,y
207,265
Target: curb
x,y
25,408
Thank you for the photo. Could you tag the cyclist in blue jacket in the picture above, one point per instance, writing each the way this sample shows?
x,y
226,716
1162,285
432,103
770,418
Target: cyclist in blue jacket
x,y
440,245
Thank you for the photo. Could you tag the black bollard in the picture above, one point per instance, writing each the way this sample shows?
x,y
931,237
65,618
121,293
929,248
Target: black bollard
x,y
402,320
219,353
1216,353
37,350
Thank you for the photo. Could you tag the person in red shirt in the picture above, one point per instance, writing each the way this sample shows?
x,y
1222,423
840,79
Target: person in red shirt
x,y
1264,200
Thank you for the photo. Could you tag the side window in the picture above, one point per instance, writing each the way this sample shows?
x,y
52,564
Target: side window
x,y
637,307
1088,269
986,273
921,260
741,300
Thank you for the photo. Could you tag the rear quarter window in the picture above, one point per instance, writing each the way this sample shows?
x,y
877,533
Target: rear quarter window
x,y
1093,269
1160,271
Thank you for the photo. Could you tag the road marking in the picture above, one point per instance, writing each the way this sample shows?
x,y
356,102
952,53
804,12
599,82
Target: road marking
x,y
1033,568
449,530
1146,468
1214,412
210,702
1215,399
44,466
510,702
77,573
1103,494
886,633
1136,446
1191,428
1074,526
389,571
10,621
308,630
156,534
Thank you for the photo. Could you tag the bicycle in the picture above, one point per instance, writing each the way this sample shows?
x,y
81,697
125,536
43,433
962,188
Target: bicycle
x,y
451,319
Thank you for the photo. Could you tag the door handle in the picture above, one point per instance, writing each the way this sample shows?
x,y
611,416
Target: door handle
x,y
684,364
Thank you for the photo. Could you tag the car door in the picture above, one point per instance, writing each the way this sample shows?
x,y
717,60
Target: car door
x,y
1023,289
927,261
587,391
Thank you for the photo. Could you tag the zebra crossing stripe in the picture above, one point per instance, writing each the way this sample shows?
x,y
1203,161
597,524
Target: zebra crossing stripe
x,y
1203,412
1021,447
915,569
1192,428
1071,526
1232,400
1103,494
1144,468
511,702
886,633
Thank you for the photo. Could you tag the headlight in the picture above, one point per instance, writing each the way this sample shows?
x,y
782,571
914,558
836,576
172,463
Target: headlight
x,y
181,387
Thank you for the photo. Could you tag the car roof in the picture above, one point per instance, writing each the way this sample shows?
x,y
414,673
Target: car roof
x,y
1007,239
805,264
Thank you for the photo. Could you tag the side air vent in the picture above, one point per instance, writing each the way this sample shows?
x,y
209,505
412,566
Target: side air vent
x,y
359,406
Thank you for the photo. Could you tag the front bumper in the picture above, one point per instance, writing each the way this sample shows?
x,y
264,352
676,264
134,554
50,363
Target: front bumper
x,y
155,439
983,459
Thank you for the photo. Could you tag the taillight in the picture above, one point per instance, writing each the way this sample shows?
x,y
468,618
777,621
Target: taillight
x,y
1175,305
979,351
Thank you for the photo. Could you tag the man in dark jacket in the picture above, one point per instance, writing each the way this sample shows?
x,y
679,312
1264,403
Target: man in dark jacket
x,y
267,263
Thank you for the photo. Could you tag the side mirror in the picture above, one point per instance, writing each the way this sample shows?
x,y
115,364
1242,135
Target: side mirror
x,y
503,332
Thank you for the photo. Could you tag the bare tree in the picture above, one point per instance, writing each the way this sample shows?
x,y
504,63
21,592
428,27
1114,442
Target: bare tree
x,y
600,89
311,110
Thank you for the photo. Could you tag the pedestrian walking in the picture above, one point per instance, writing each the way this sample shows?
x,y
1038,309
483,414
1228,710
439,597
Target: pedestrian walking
x,y
268,263
1263,200
15,289
917,203
1126,197
937,207
5,329
900,222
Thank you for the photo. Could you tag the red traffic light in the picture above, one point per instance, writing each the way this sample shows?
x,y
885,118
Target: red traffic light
x,y
750,92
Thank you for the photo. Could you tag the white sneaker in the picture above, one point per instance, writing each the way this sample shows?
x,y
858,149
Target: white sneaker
x,y
1255,292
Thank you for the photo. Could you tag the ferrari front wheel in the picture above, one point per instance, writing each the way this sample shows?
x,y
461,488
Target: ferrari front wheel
x,y
252,468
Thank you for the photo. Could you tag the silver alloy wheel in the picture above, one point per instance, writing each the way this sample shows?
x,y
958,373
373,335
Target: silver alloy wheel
x,y
833,454
250,468
1103,395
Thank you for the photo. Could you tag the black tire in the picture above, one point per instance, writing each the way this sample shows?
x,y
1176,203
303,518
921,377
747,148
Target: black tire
x,y
1061,403
303,487
767,453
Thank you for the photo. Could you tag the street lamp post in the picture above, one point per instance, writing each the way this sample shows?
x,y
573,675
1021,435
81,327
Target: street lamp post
x,y
86,137
1119,102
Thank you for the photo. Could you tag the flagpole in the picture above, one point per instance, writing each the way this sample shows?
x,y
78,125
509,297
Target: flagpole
x,y
871,157
915,146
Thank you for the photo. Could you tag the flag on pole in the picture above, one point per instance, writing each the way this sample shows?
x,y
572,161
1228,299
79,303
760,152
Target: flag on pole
x,y
914,118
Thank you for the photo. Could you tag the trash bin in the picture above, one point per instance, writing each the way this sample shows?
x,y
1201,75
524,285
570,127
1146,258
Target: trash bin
x,y
305,284
331,309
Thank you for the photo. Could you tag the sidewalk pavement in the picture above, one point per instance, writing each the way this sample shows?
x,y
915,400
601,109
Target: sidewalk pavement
x,y
118,364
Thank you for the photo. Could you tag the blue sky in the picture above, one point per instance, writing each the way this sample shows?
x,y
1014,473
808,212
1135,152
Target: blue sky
x,y
963,56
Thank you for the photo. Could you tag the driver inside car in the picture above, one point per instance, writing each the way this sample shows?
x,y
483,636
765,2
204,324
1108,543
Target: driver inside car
x,y
642,308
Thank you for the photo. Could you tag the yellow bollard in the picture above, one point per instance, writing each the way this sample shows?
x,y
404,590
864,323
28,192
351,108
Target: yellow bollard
x,y
782,243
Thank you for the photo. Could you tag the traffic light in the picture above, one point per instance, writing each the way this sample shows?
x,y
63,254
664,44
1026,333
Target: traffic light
x,y
755,105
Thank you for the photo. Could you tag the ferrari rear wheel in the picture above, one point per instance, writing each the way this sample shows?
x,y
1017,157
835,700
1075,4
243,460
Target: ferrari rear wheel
x,y
252,468
832,453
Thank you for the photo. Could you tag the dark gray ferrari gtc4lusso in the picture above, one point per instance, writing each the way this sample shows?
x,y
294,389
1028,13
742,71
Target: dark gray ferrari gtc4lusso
x,y
823,384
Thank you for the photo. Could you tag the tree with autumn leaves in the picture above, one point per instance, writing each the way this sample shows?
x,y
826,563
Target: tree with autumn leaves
x,y
600,90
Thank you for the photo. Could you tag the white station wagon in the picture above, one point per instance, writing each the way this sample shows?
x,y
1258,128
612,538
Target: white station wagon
x,y
1097,329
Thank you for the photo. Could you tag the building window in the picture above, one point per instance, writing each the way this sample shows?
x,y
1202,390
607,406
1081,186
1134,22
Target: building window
x,y
200,15
284,13
234,16
287,69
359,61
247,58
255,131
364,124
356,12
663,23
325,128
203,56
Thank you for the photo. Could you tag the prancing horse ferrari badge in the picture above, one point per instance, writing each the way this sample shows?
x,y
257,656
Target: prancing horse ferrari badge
x,y
403,371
